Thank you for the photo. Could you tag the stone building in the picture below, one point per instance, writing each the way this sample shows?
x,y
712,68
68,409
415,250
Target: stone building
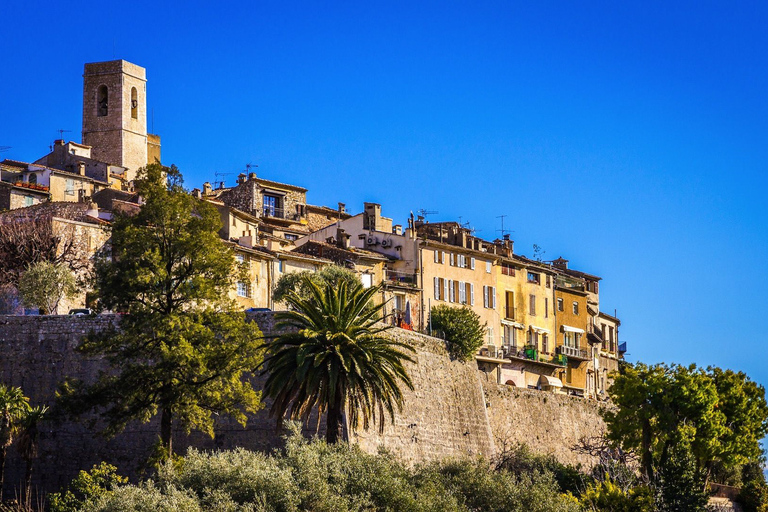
x,y
58,184
115,116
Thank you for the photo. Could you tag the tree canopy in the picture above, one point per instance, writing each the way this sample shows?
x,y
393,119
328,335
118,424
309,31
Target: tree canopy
x,y
296,282
717,416
334,357
45,284
182,350
461,329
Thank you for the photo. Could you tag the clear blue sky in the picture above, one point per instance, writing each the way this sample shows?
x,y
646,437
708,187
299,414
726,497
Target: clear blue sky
x,y
628,139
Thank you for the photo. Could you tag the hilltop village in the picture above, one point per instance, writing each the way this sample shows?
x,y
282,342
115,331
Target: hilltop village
x,y
545,326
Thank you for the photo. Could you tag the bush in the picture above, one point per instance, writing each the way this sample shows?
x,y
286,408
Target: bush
x,y
87,486
318,477
294,281
461,329
520,460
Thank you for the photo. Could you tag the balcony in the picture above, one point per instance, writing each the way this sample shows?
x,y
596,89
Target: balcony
x,y
271,211
532,354
573,352
401,278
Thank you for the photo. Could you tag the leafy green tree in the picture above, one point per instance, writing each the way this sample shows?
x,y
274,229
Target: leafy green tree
x,y
754,491
29,440
296,281
720,415
609,496
461,329
13,406
182,350
101,480
335,357
45,284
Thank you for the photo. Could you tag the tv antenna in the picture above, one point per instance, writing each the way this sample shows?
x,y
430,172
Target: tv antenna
x,y
62,132
249,166
217,174
4,148
424,212
502,230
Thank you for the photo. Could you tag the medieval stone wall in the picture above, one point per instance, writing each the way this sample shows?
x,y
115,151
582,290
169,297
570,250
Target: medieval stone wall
x,y
451,411
548,423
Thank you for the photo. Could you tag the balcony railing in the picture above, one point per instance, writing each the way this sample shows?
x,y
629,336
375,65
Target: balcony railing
x,y
405,278
271,211
510,313
573,352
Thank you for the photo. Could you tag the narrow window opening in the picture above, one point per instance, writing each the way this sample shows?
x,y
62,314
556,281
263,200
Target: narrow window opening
x,y
134,103
102,101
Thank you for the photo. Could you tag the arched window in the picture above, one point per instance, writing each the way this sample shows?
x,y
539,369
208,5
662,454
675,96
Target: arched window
x,y
33,178
102,101
134,103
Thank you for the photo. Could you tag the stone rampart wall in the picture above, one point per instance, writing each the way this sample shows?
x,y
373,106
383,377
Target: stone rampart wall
x,y
451,412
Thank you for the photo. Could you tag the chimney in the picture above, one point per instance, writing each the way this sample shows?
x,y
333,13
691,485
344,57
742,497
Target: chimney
x,y
58,142
221,185
251,175
342,238
371,216
207,189
342,208
561,263
397,229
196,193
241,178
81,168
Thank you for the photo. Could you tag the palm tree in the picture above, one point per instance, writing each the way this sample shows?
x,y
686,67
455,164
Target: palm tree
x,y
29,437
13,406
335,358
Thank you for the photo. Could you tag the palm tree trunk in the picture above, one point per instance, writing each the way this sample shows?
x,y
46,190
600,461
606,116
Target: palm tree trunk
x,y
166,435
3,452
28,485
334,422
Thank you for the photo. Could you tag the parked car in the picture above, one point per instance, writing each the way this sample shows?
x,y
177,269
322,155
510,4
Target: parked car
x,y
257,310
81,312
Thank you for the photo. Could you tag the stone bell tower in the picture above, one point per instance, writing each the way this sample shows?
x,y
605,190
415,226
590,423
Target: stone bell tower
x,y
115,114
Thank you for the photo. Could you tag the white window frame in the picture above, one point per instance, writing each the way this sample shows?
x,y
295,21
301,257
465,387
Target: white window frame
x,y
488,266
472,263
471,294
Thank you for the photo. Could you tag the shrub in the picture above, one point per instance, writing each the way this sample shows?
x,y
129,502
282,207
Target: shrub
x,y
461,329
100,481
316,476
294,281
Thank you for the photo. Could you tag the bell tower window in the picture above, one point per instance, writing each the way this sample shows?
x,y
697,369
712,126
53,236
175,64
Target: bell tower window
x,y
134,103
102,101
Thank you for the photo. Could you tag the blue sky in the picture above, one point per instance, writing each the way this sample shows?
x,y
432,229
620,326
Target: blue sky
x,y
630,139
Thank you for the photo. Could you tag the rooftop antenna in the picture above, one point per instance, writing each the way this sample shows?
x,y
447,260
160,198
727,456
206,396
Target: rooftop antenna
x,y
502,230
4,148
424,212
218,173
249,166
62,132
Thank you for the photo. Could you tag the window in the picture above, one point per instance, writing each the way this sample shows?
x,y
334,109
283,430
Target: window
x,y
610,339
488,266
549,281
544,343
507,269
532,304
560,304
546,307
439,256
243,290
280,267
471,294
367,280
134,103
453,259
510,338
439,289
568,339
510,306
29,200
102,101
69,187
32,178
533,277
240,258
399,302
602,335
575,308
272,206
490,336
291,237
450,290
489,297
462,292
472,263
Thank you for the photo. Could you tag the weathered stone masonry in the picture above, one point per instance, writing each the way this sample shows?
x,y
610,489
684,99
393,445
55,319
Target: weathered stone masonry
x,y
451,412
